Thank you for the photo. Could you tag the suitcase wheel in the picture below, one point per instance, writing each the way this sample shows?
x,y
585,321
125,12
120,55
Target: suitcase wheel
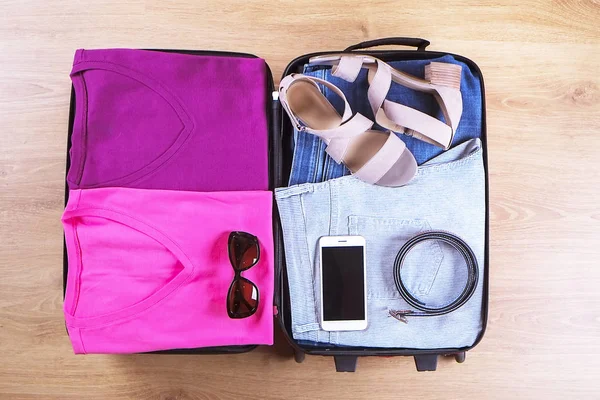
x,y
426,362
460,357
299,356
345,363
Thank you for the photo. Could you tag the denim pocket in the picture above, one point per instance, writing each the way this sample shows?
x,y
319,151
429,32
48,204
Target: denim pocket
x,y
384,237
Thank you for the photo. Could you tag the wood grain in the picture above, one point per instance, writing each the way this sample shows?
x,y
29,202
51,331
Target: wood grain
x,y
541,63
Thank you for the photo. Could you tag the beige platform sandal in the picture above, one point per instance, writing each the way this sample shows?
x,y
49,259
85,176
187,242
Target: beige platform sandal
x,y
442,80
373,156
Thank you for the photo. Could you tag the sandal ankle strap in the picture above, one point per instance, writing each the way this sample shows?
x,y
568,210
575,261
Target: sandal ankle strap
x,y
290,80
337,138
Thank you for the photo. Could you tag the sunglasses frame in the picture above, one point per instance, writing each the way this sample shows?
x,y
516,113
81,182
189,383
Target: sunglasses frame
x,y
238,274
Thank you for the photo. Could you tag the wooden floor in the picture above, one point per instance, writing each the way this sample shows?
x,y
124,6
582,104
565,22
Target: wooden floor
x,y
541,63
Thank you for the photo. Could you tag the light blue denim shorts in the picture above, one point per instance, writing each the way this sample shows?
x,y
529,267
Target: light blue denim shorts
x,y
448,193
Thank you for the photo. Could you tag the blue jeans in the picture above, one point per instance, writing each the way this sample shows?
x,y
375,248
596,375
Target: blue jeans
x,y
312,164
448,193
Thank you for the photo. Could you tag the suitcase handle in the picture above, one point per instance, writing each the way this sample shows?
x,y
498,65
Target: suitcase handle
x,y
419,43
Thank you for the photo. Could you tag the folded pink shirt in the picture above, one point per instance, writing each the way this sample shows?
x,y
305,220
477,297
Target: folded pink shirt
x,y
162,120
149,269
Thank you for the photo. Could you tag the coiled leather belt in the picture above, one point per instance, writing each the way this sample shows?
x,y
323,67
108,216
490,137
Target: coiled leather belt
x,y
423,309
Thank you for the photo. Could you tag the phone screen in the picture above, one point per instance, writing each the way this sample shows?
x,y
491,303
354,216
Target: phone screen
x,y
343,283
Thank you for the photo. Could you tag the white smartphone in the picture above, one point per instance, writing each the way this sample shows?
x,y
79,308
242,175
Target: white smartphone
x,y
343,283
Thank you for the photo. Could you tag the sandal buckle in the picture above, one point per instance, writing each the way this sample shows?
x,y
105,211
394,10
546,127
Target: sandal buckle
x,y
407,132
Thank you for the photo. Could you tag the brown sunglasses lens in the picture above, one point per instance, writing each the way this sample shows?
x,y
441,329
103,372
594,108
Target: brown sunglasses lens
x,y
242,299
243,250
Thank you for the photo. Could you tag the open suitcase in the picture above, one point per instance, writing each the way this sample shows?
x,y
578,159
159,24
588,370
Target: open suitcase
x,y
281,145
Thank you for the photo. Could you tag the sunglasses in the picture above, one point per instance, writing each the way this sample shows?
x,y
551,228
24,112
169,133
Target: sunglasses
x,y
244,252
